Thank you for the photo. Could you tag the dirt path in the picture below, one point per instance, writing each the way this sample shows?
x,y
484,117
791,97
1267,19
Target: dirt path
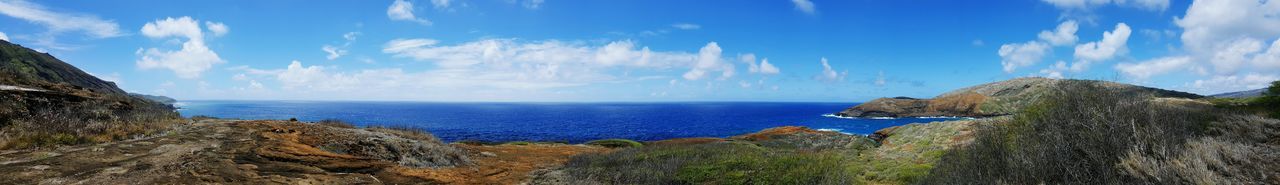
x,y
262,152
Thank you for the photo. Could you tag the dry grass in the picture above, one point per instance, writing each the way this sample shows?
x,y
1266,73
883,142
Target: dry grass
x,y
1090,134
88,121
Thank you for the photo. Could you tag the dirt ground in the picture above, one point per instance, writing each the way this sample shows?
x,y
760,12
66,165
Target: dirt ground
x,y
263,152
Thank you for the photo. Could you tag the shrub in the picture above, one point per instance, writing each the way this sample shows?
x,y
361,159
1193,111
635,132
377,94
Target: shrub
x,y
406,132
615,143
711,163
335,123
34,120
1078,133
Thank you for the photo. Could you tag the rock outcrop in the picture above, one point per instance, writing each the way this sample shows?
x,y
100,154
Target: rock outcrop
x,y
992,99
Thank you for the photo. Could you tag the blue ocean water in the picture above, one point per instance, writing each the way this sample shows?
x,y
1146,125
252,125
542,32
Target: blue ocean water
x,y
564,122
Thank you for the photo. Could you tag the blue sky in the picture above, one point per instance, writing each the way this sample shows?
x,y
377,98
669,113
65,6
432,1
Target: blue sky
x,y
572,50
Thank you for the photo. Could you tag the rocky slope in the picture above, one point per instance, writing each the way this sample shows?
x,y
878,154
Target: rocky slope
x,y
992,99
214,151
46,102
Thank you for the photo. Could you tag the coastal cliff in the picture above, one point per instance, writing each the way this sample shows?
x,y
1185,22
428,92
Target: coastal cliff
x,y
985,100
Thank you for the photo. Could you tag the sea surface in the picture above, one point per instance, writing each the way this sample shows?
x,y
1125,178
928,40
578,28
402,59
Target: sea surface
x,y
558,122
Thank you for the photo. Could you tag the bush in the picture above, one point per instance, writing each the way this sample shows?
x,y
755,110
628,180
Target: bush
x,y
615,143
335,123
34,120
711,163
406,132
1087,134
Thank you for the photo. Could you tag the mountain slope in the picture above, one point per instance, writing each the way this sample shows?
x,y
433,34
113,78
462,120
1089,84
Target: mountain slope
x,y
20,66
45,102
1241,94
991,99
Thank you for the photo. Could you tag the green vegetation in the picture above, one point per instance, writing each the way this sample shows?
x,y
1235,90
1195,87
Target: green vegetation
x,y
1089,134
735,162
1268,104
615,143
520,143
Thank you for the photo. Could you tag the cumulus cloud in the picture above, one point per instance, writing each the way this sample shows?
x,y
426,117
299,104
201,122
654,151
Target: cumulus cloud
x,y
1064,35
554,63
1016,55
1055,71
805,6
686,26
4,37
58,22
188,62
764,67
767,68
1113,43
402,10
217,28
1147,69
708,61
1087,5
1228,33
1269,60
829,74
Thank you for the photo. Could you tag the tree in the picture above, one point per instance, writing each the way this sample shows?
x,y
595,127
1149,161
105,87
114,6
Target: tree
x,y
1274,90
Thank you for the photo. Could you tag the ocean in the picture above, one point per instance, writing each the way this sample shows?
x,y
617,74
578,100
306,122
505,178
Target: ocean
x,y
558,122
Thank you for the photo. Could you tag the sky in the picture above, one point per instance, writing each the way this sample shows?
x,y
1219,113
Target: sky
x,y
640,51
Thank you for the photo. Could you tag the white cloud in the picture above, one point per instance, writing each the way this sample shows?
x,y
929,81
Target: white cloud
x,y
1055,71
4,37
1269,60
188,62
686,26
1147,69
58,22
1064,35
553,63
1232,83
1229,58
764,67
1087,5
533,4
334,52
709,60
978,42
829,74
1113,43
767,68
440,3
184,27
338,51
1014,56
350,36
402,10
217,28
1225,33
805,6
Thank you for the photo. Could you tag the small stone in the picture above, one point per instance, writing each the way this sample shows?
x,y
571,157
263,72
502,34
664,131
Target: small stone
x,y
40,167
488,154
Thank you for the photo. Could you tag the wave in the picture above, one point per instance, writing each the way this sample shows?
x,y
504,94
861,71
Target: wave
x,y
841,131
919,117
